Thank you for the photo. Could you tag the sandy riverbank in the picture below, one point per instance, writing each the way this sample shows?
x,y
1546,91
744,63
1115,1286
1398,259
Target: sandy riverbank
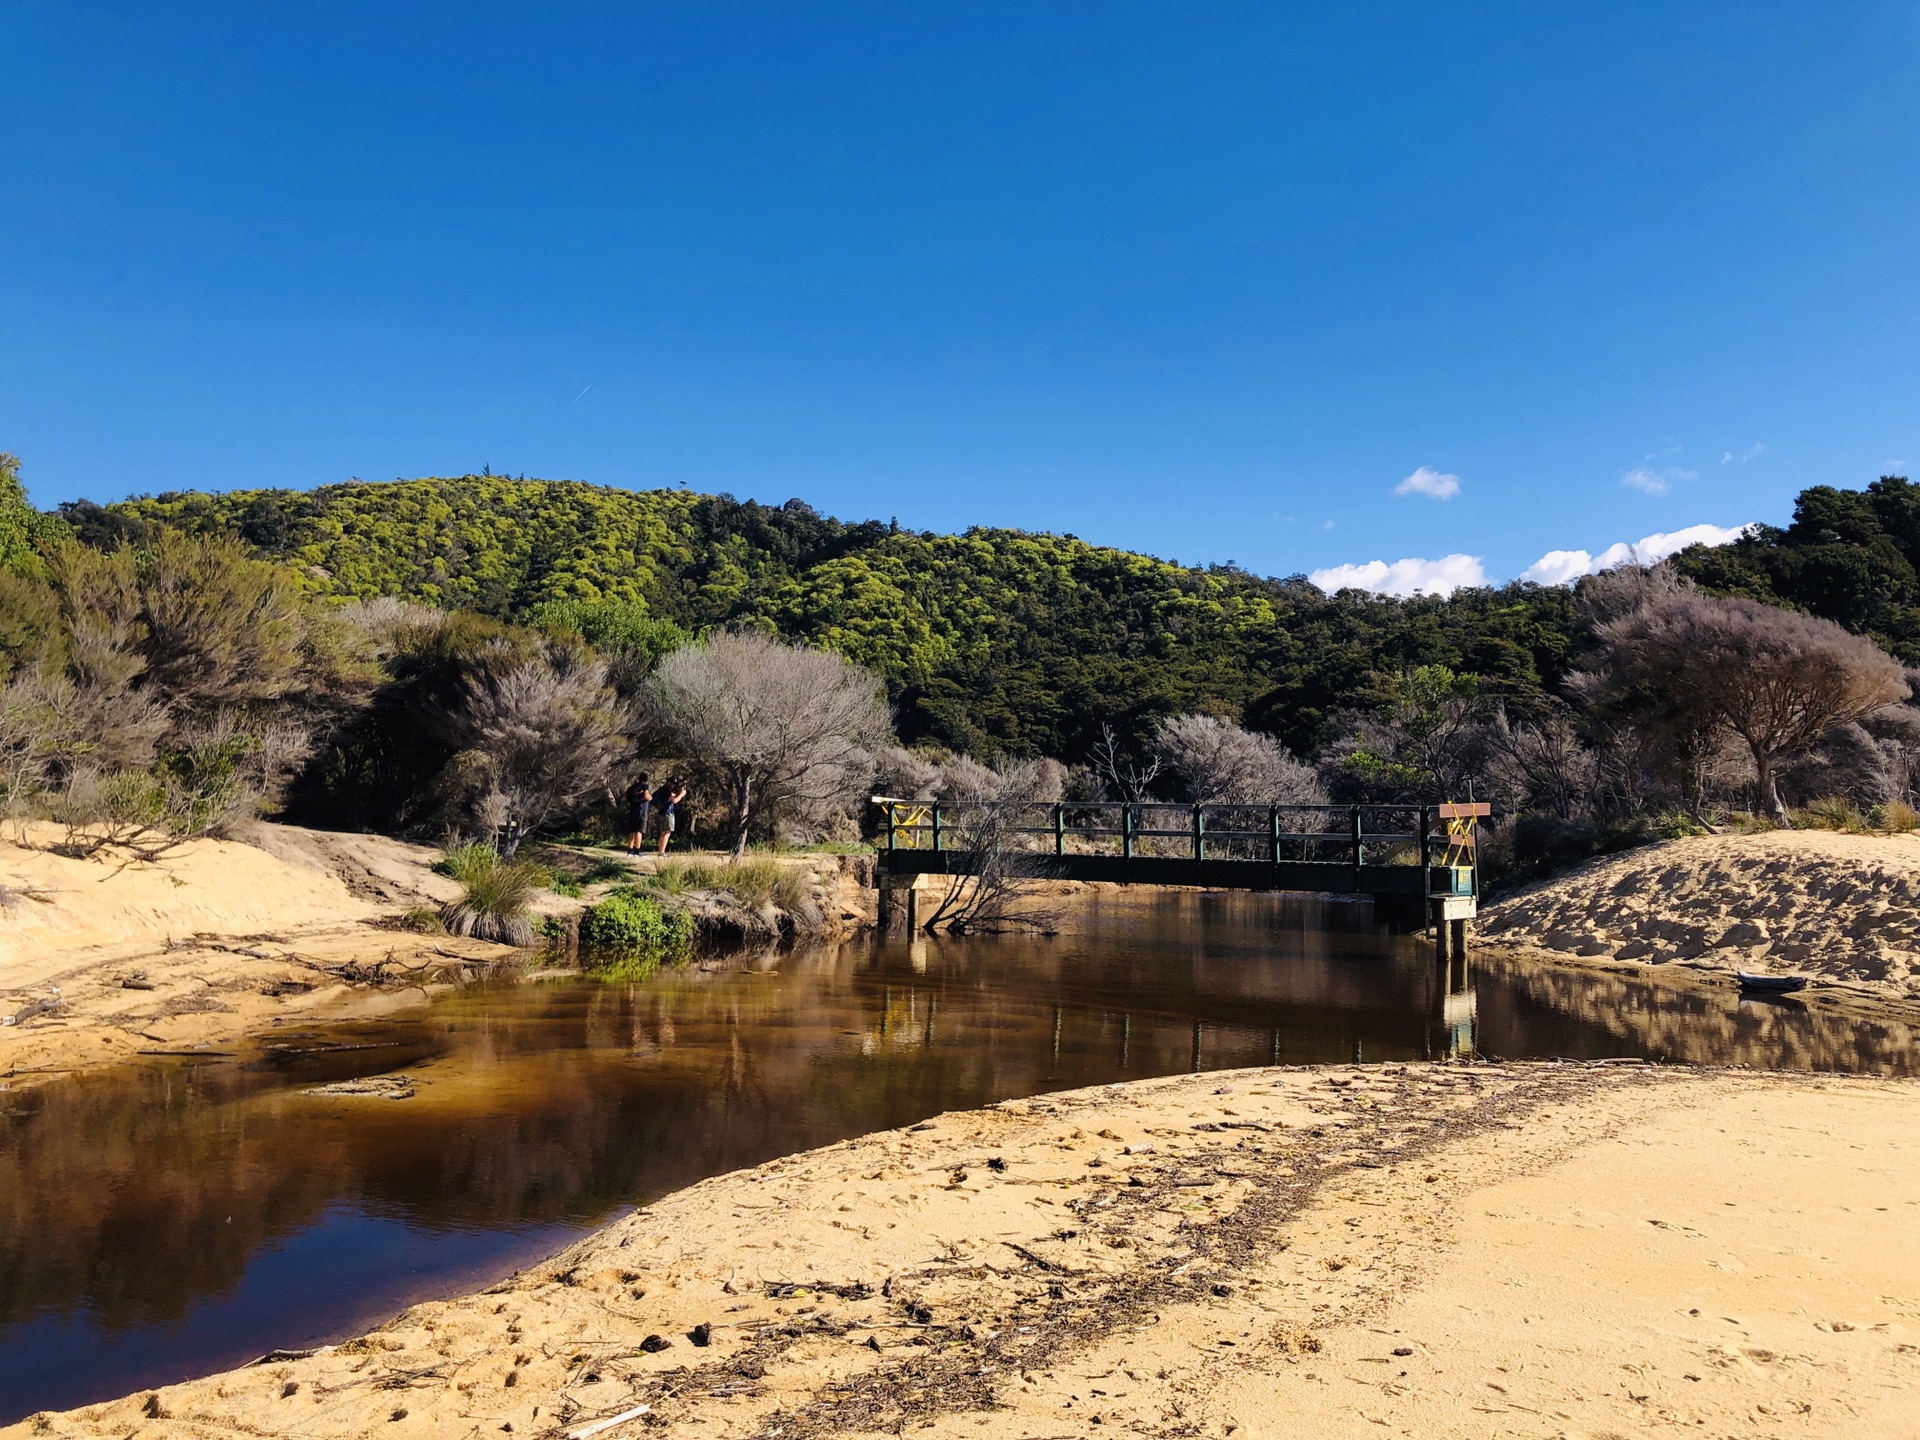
x,y
1844,909
104,958
207,944
1432,1250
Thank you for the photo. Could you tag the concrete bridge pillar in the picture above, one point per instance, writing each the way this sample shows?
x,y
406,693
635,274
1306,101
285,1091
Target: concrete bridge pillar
x,y
900,907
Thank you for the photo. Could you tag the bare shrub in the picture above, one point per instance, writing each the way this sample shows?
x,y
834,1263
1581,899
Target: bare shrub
x,y
212,777
906,774
1217,763
776,728
1896,734
34,737
1122,775
1847,764
1624,590
982,809
1545,764
537,738
1694,669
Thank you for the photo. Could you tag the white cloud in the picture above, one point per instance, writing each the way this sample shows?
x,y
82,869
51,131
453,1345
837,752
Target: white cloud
x,y
1559,567
1655,482
1563,567
1404,577
1429,482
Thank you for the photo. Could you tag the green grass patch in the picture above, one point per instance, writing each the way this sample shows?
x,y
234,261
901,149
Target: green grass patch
x,y
753,883
604,869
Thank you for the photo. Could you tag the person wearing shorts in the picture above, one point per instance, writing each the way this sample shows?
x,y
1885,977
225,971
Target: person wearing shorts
x,y
675,793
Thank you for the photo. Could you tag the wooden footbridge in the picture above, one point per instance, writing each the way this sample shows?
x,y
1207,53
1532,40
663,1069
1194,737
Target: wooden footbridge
x,y
1417,862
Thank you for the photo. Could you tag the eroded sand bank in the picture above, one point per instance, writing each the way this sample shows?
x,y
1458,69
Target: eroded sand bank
x,y
1425,1249
1844,909
106,957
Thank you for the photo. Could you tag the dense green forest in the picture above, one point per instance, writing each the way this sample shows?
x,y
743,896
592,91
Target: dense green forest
x,y
424,653
1000,640
1851,556
992,641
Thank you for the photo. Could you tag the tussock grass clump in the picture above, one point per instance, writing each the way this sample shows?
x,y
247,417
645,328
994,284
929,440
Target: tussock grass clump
x,y
1833,813
752,882
628,935
760,882
494,905
1900,818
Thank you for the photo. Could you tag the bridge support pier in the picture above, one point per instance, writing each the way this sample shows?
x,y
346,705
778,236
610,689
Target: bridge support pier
x,y
899,904
1449,928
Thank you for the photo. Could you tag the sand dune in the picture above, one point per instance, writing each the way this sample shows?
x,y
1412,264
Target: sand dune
x,y
1843,908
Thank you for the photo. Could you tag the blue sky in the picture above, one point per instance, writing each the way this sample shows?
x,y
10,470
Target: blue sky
x,y
1208,280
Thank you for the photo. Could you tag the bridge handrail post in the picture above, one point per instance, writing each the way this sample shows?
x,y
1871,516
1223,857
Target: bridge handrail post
x,y
1426,848
1126,830
1199,834
1356,846
889,813
1059,830
936,825
1273,822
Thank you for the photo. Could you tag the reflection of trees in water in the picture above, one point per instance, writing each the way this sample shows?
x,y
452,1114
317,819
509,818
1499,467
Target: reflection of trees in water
x,y
562,1102
1545,1009
565,1101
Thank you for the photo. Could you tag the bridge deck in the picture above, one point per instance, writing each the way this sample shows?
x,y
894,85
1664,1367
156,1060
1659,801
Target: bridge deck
x,y
1417,853
1319,876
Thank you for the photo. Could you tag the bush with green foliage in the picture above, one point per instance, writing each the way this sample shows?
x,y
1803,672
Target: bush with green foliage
x,y
628,934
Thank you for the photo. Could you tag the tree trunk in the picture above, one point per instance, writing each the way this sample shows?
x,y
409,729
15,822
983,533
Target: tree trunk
x,y
742,816
1769,792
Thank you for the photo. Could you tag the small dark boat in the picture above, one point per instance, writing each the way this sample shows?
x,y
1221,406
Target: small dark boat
x,y
1772,984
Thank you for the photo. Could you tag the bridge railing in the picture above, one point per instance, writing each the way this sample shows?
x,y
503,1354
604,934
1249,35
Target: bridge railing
x,y
1436,835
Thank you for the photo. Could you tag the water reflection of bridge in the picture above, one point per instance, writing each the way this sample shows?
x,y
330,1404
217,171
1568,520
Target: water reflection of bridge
x,y
1228,1026
1417,863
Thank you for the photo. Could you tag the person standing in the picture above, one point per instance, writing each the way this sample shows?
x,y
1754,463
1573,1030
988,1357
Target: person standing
x,y
639,802
675,792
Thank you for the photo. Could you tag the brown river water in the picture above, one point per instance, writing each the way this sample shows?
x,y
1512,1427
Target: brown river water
x,y
166,1220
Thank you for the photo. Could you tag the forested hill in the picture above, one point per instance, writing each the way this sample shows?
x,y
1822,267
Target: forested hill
x,y
988,640
997,639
